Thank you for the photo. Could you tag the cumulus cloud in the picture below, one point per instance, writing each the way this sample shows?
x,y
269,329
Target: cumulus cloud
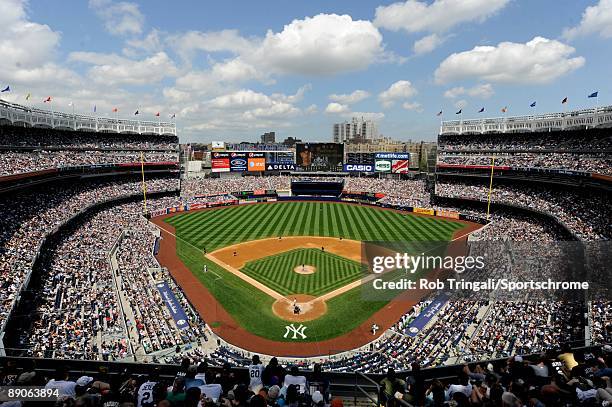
x,y
413,16
325,44
351,98
119,18
336,108
397,91
460,104
111,69
482,91
538,61
187,44
412,106
440,16
28,49
427,44
596,19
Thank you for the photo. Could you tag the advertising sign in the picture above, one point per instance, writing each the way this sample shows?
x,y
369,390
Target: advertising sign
x,y
399,166
426,315
383,165
392,156
358,168
280,167
256,162
174,306
218,145
220,162
238,162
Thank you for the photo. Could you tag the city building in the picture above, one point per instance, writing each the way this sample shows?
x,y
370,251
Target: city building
x,y
268,138
358,130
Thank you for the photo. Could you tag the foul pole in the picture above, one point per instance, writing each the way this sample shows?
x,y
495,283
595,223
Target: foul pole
x,y
144,185
490,187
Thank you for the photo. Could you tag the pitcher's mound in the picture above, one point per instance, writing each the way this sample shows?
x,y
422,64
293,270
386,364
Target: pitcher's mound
x,y
305,269
310,308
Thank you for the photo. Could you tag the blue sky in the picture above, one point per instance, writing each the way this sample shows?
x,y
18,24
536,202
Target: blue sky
x,y
233,70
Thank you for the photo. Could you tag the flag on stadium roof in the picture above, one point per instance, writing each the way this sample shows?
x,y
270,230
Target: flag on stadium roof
x,y
28,96
439,113
504,109
564,100
95,108
594,94
47,100
70,104
173,116
157,114
459,112
532,104
7,89
481,110
136,112
115,110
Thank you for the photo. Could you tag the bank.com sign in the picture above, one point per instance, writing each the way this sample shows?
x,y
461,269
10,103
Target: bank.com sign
x,y
358,168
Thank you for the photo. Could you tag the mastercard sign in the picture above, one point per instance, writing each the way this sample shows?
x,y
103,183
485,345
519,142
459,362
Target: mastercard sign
x,y
257,164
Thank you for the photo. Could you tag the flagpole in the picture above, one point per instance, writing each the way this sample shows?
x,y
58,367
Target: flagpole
x,y
144,186
490,187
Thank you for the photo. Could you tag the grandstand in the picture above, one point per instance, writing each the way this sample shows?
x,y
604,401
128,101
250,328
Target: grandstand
x,y
85,291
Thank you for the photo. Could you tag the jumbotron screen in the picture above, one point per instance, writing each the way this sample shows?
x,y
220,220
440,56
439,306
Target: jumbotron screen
x,y
319,156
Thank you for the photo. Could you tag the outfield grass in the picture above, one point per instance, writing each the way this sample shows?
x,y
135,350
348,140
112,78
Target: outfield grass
x,y
251,308
276,272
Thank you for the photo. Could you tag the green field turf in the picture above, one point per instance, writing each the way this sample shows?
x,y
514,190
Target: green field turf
x,y
276,272
251,308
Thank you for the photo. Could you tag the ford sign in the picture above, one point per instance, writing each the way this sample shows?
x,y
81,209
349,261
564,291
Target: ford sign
x,y
358,168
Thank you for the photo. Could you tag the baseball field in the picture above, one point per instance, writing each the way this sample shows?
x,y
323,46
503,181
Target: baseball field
x,y
259,261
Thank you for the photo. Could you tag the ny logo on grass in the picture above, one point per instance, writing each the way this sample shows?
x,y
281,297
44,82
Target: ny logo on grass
x,y
299,330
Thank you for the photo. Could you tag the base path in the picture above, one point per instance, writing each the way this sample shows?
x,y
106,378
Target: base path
x,y
212,311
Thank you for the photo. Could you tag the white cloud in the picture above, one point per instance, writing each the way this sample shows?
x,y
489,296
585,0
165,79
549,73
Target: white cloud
x,y
367,115
28,49
351,98
189,43
325,44
121,18
397,91
428,44
312,109
595,20
111,69
235,70
417,16
482,91
336,108
460,104
412,106
538,61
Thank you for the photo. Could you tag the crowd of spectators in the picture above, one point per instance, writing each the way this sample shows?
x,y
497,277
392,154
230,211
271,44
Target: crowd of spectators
x,y
29,216
586,218
33,149
599,162
80,312
37,137
137,274
558,377
591,140
15,162
216,186
397,192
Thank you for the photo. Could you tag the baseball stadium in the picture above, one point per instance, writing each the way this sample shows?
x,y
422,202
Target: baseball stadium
x,y
156,251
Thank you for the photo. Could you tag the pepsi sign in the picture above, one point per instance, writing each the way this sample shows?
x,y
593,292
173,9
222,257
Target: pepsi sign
x,y
358,168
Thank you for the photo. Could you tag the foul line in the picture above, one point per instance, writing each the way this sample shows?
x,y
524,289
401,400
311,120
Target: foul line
x,y
185,241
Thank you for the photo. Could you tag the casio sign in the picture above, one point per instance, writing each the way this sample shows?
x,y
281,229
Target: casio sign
x,y
358,167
